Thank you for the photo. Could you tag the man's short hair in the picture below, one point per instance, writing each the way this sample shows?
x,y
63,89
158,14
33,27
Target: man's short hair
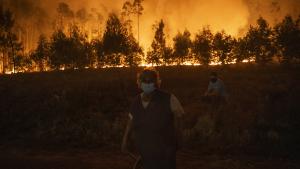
x,y
149,75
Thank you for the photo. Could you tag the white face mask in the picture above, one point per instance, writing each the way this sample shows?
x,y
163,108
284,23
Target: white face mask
x,y
148,87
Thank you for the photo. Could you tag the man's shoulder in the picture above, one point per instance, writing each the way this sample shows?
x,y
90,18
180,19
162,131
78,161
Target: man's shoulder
x,y
136,98
163,93
220,81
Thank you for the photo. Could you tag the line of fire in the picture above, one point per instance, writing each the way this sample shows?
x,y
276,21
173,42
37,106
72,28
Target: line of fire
x,y
82,39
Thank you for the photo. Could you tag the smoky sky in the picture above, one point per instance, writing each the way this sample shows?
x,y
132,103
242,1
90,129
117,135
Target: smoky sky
x,y
232,16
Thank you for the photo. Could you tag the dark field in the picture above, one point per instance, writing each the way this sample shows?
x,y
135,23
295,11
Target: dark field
x,y
75,119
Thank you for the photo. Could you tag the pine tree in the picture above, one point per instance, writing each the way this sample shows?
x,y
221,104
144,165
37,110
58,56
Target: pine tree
x,y
59,50
6,36
42,53
182,46
288,39
260,41
222,47
158,46
119,45
202,46
240,50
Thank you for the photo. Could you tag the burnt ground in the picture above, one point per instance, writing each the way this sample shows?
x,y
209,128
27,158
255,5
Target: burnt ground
x,y
112,159
76,109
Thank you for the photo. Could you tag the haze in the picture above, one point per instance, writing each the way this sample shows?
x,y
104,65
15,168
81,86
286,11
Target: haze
x,y
232,16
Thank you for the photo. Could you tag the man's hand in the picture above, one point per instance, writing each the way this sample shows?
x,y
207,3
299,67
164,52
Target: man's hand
x,y
125,137
179,132
124,147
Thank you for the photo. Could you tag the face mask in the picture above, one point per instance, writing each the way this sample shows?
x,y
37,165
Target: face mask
x,y
213,80
148,87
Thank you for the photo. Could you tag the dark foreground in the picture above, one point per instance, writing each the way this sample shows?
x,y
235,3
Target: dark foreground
x,y
76,119
105,159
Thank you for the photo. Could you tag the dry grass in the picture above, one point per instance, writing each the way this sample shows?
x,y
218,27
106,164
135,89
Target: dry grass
x,y
89,108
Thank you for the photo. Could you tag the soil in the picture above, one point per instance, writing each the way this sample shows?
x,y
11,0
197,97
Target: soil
x,y
112,159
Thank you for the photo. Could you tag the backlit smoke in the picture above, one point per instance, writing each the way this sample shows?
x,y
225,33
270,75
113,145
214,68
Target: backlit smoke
x,y
234,16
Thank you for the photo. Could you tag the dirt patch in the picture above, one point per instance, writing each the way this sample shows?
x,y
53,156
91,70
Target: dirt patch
x,y
99,159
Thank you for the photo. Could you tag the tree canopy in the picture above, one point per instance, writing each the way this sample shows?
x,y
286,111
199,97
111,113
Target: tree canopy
x,y
69,47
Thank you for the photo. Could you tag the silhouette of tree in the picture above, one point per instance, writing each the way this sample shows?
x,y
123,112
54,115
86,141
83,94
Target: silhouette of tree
x,y
64,13
65,10
222,47
88,56
202,46
260,41
158,46
114,40
59,49
6,25
119,43
288,39
240,50
182,46
69,52
6,19
14,48
23,63
138,9
9,43
82,16
133,52
127,11
80,51
168,55
134,8
41,54
97,46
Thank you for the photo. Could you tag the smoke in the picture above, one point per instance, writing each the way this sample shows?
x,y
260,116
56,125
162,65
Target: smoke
x,y
229,15
232,16
272,10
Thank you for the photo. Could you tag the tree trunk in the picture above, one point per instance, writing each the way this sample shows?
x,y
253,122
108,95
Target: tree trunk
x,y
3,69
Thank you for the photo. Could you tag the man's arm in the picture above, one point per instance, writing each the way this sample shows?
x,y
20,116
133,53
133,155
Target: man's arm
x,y
209,90
178,111
126,135
179,131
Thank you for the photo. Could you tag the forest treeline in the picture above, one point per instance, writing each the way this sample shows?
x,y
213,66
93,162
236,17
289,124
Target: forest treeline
x,y
70,48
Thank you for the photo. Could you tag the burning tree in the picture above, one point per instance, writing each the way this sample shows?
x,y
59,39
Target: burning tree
x,y
158,45
59,50
119,42
182,46
288,39
138,9
98,50
71,51
41,54
9,43
202,46
222,47
64,14
260,42
14,48
135,8
79,48
240,50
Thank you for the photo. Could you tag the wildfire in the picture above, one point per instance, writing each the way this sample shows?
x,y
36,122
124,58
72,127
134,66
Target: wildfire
x,y
143,64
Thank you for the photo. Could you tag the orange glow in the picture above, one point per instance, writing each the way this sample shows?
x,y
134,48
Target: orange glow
x,y
232,16
143,64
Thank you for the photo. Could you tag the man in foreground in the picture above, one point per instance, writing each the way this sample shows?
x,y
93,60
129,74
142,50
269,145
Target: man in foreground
x,y
154,121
